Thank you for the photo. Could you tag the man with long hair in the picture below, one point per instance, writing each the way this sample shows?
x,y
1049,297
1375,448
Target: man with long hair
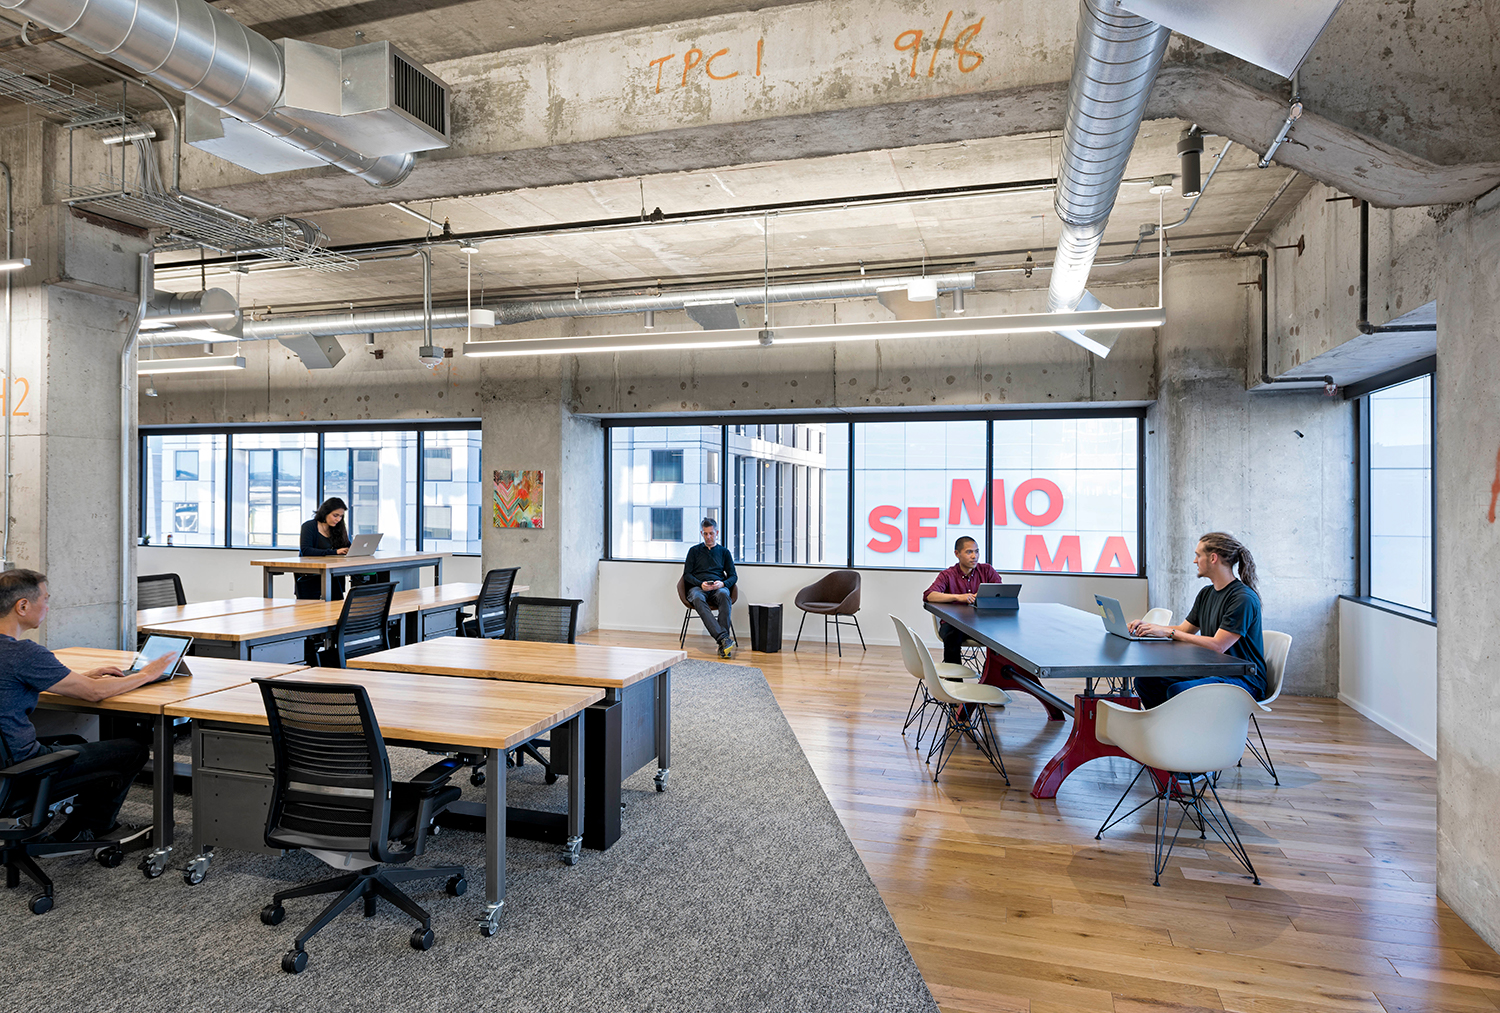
x,y
1225,617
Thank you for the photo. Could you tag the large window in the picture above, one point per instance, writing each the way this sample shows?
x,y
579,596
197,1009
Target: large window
x,y
665,481
1054,492
253,487
1397,489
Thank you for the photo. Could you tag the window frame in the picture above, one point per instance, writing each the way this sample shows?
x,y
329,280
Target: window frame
x,y
1359,395
228,431
853,418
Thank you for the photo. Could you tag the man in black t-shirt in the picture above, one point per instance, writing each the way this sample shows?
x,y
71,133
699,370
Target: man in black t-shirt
x,y
101,775
1225,617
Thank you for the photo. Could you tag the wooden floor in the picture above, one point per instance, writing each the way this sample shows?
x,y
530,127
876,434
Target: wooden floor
x,y
1009,905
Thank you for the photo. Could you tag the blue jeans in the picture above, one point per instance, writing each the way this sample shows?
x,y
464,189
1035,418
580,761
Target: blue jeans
x,y
704,602
1157,690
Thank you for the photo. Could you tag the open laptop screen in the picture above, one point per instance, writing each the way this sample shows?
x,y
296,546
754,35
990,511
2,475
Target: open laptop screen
x,y
155,647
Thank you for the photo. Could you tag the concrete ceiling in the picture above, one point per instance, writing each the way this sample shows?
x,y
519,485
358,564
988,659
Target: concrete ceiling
x,y
983,231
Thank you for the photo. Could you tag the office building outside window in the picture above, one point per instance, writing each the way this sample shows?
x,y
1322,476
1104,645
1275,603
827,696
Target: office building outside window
x,y
778,495
183,489
376,474
275,488
1399,483
664,481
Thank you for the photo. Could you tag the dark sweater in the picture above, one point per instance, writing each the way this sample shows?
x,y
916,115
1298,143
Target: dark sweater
x,y
705,564
315,543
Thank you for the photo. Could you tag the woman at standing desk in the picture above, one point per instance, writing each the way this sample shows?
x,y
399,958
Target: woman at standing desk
x,y
325,535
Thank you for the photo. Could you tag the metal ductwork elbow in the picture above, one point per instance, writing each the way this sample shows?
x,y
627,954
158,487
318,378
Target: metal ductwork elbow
x,y
213,59
1114,66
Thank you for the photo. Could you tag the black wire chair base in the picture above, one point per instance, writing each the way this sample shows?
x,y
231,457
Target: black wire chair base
x,y
1262,754
969,721
1198,799
836,620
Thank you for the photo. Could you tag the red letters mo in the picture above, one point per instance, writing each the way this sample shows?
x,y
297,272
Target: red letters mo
x,y
1034,554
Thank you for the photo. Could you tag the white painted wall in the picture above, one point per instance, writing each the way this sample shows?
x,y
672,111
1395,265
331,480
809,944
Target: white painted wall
x,y
640,596
210,574
1388,671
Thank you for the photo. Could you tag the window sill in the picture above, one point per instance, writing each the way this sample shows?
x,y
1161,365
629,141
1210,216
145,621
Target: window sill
x,y
884,569
1404,611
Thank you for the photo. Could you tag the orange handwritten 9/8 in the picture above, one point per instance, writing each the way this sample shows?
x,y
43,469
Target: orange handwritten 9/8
x,y
696,58
968,58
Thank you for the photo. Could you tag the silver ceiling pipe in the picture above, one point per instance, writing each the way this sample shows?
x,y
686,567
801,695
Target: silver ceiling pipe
x,y
522,311
1115,62
205,53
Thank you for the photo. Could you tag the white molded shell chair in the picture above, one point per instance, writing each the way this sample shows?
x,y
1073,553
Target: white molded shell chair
x,y
962,705
916,711
1196,732
974,655
1278,645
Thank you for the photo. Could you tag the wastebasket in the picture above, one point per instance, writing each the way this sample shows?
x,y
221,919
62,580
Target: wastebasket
x,y
765,628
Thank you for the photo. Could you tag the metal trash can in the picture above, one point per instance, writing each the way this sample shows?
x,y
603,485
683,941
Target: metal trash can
x,y
765,628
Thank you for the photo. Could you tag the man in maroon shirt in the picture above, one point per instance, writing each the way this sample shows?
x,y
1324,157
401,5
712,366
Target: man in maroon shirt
x,y
959,583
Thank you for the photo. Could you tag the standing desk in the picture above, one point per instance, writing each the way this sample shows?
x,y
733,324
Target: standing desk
x,y
210,675
1051,641
276,634
629,726
405,570
412,709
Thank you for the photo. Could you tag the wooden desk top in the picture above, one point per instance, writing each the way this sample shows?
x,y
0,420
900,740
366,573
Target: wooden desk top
x,y
210,675
526,661
422,708
314,564
306,616
200,609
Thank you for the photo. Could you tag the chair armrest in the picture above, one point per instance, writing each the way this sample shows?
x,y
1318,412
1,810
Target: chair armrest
x,y
45,763
437,776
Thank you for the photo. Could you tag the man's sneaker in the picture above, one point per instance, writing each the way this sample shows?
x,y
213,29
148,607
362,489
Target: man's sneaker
x,y
726,649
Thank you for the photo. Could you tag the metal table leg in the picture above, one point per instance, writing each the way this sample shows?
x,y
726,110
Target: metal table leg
x,y
494,841
663,729
574,845
266,573
155,861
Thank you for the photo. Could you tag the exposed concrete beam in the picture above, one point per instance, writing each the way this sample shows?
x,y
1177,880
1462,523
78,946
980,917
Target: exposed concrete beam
x,y
839,76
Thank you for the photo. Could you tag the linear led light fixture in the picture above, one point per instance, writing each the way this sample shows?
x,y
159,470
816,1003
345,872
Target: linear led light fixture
x,y
747,337
14,265
173,319
190,364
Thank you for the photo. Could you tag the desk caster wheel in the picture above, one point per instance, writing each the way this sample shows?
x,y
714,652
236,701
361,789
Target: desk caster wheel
x,y
152,868
41,904
571,850
477,778
661,778
272,914
489,922
488,929
457,886
421,939
196,871
110,858
551,778
294,961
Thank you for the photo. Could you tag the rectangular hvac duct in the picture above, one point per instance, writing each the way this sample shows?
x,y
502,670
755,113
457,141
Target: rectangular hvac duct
x,y
218,133
1274,34
372,98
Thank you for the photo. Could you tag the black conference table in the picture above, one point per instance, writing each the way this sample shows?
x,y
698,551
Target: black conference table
x,y
1041,640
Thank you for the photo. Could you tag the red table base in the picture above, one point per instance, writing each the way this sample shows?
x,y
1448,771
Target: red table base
x,y
1081,747
999,672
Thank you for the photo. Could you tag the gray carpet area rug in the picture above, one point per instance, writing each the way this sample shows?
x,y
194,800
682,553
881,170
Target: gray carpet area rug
x,y
736,890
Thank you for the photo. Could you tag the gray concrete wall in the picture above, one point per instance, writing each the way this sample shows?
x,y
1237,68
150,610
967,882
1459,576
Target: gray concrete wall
x,y
65,495
1467,470
1222,459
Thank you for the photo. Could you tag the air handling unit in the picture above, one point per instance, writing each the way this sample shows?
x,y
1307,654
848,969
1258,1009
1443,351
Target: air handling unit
x,y
373,99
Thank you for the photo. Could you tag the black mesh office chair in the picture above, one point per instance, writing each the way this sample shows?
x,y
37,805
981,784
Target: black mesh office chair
x,y
492,609
25,800
333,792
364,625
159,590
550,620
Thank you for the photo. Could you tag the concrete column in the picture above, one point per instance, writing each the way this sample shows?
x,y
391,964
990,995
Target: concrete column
x,y
73,312
536,431
1274,470
1467,473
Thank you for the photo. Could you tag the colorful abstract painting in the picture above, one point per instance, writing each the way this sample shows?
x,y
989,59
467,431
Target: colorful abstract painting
x,y
518,499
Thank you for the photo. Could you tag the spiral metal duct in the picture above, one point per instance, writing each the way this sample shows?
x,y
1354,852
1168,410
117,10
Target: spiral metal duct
x,y
205,53
521,311
1114,66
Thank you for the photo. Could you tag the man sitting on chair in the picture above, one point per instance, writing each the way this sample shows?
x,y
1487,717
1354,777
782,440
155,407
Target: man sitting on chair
x,y
709,573
100,777
959,583
1225,617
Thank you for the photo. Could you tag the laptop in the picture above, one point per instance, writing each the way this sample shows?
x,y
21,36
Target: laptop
x,y
157,646
997,596
1114,619
364,545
